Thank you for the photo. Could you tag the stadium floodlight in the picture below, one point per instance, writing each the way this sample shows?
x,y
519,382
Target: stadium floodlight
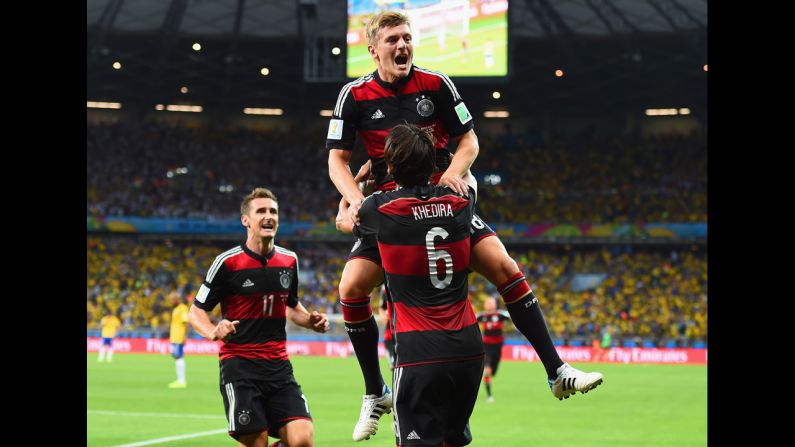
x,y
336,51
492,179
197,46
179,108
183,89
103,105
117,65
496,95
705,67
183,108
265,71
684,111
326,112
559,73
663,112
262,111
496,114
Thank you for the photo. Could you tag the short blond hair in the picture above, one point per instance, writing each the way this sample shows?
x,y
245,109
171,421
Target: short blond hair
x,y
386,19
257,193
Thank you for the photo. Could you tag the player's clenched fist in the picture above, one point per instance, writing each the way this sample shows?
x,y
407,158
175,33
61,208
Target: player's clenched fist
x,y
224,330
319,321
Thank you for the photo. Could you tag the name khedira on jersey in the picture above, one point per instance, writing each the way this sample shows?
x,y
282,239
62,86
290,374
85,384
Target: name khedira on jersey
x,y
432,210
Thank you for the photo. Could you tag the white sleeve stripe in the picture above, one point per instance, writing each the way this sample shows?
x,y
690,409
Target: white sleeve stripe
x,y
341,98
220,257
219,261
446,80
345,90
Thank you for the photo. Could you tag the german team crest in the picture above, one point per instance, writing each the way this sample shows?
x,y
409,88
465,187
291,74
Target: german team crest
x,y
425,107
284,279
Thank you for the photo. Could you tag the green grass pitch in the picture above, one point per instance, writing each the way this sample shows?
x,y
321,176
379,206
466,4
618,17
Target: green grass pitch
x,y
129,404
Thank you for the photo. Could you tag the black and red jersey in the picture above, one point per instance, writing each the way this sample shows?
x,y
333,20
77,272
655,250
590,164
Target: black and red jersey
x,y
255,290
386,304
493,324
372,107
423,238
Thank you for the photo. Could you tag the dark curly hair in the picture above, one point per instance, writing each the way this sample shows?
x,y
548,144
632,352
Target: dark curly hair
x,y
411,153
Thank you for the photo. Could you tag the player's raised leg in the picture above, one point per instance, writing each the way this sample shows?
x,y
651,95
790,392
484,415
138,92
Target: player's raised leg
x,y
492,261
359,277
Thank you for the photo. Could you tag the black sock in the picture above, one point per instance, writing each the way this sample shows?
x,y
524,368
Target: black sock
x,y
364,338
527,317
488,388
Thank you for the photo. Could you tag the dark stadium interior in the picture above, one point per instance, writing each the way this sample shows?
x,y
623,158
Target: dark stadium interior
x,y
576,151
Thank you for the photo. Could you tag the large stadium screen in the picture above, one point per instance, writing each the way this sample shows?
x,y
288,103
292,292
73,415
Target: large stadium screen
x,y
458,37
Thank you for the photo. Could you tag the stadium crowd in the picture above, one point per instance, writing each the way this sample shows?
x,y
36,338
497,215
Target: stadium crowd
x,y
166,171
659,295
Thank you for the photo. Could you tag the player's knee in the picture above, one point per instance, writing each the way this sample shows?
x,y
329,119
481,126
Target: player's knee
x,y
353,288
253,439
303,438
507,266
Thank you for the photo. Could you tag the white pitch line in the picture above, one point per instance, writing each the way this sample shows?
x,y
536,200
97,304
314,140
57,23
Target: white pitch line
x,y
173,438
165,415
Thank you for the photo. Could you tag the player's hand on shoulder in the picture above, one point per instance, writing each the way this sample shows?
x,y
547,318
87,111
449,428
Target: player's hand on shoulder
x,y
454,182
353,212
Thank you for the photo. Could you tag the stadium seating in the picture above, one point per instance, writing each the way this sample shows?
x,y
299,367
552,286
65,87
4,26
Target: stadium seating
x,y
650,297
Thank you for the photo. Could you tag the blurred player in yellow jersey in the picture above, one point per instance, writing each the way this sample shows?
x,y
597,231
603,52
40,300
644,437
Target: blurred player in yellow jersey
x,y
109,323
179,320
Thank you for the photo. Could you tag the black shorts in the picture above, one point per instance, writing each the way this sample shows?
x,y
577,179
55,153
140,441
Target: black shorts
x,y
389,345
493,355
254,406
368,247
433,402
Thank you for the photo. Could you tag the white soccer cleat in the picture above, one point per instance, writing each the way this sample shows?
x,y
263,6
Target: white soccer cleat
x,y
571,380
373,407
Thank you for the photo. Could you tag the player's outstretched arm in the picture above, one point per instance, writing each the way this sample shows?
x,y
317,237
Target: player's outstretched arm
x,y
316,321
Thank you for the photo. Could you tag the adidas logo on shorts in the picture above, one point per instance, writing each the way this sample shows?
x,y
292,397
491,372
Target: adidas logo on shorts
x,y
377,115
248,283
413,435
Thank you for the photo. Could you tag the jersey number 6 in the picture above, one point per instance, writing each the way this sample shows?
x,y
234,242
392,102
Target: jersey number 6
x,y
435,255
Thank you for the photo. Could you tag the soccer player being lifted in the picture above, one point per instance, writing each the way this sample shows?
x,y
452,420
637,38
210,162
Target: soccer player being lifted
x,y
422,234
400,92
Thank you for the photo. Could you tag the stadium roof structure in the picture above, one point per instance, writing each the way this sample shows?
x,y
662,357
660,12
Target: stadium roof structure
x,y
618,55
